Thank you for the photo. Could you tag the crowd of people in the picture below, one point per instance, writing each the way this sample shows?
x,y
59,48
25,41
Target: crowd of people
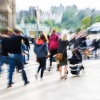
x,y
14,47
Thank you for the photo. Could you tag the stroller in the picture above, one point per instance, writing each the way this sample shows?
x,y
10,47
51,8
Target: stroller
x,y
75,62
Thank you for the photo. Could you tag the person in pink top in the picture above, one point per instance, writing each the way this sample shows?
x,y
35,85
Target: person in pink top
x,y
53,46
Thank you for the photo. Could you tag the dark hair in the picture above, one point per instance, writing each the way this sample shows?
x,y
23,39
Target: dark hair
x,y
43,37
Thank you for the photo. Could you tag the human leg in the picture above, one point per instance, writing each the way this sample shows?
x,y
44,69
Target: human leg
x,y
11,70
43,64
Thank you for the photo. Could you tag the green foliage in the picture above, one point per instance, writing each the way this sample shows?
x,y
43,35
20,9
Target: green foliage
x,y
97,19
49,23
78,30
32,20
27,20
57,28
86,21
70,18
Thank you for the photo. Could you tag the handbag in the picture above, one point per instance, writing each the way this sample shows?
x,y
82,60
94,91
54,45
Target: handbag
x,y
59,56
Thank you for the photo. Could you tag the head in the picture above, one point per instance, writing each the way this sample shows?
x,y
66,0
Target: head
x,y
43,36
11,31
17,31
53,31
64,35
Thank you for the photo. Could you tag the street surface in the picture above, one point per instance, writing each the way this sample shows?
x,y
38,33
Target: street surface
x,y
85,87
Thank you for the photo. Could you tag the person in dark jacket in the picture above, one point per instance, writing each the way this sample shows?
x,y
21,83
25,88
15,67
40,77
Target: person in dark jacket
x,y
4,59
62,44
13,50
41,51
95,44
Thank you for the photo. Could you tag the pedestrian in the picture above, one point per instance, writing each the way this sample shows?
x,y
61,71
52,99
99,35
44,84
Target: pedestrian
x,y
4,59
53,46
24,52
41,51
15,57
62,45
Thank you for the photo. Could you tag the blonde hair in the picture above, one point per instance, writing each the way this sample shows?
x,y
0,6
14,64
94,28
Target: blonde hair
x,y
64,35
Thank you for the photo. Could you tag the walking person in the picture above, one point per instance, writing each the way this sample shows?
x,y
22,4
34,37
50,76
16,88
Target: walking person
x,y
4,59
62,45
53,46
24,52
41,51
13,50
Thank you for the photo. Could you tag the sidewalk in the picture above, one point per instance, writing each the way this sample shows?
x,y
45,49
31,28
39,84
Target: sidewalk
x,y
85,87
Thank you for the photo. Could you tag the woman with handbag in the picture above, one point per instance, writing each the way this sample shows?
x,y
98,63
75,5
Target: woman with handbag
x,y
62,44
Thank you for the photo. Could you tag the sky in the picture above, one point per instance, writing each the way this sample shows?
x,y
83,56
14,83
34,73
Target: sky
x,y
46,4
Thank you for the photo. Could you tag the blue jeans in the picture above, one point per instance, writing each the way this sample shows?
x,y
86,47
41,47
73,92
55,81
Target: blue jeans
x,y
42,65
24,60
16,60
3,59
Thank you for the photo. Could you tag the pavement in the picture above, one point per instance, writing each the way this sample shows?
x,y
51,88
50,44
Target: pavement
x,y
84,87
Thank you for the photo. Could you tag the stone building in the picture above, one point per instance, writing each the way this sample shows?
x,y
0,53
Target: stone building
x,y
7,13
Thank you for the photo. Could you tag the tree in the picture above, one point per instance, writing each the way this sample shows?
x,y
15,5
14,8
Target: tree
x,y
97,19
69,19
32,20
27,20
86,22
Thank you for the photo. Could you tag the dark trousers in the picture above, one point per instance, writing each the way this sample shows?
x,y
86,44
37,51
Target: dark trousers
x,y
42,65
16,60
52,53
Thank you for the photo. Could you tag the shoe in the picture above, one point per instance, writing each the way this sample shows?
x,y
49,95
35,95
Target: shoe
x,y
62,77
12,83
65,77
41,79
27,83
9,86
50,64
82,67
49,69
88,57
25,63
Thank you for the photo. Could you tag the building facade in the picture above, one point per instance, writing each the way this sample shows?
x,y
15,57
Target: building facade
x,y
7,13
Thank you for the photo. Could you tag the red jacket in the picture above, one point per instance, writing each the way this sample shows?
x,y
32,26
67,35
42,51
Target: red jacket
x,y
53,42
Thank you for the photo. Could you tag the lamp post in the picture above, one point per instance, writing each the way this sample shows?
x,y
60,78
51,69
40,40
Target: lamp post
x,y
37,21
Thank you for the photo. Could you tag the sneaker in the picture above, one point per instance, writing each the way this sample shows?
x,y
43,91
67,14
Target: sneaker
x,y
26,83
41,79
9,86
49,69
